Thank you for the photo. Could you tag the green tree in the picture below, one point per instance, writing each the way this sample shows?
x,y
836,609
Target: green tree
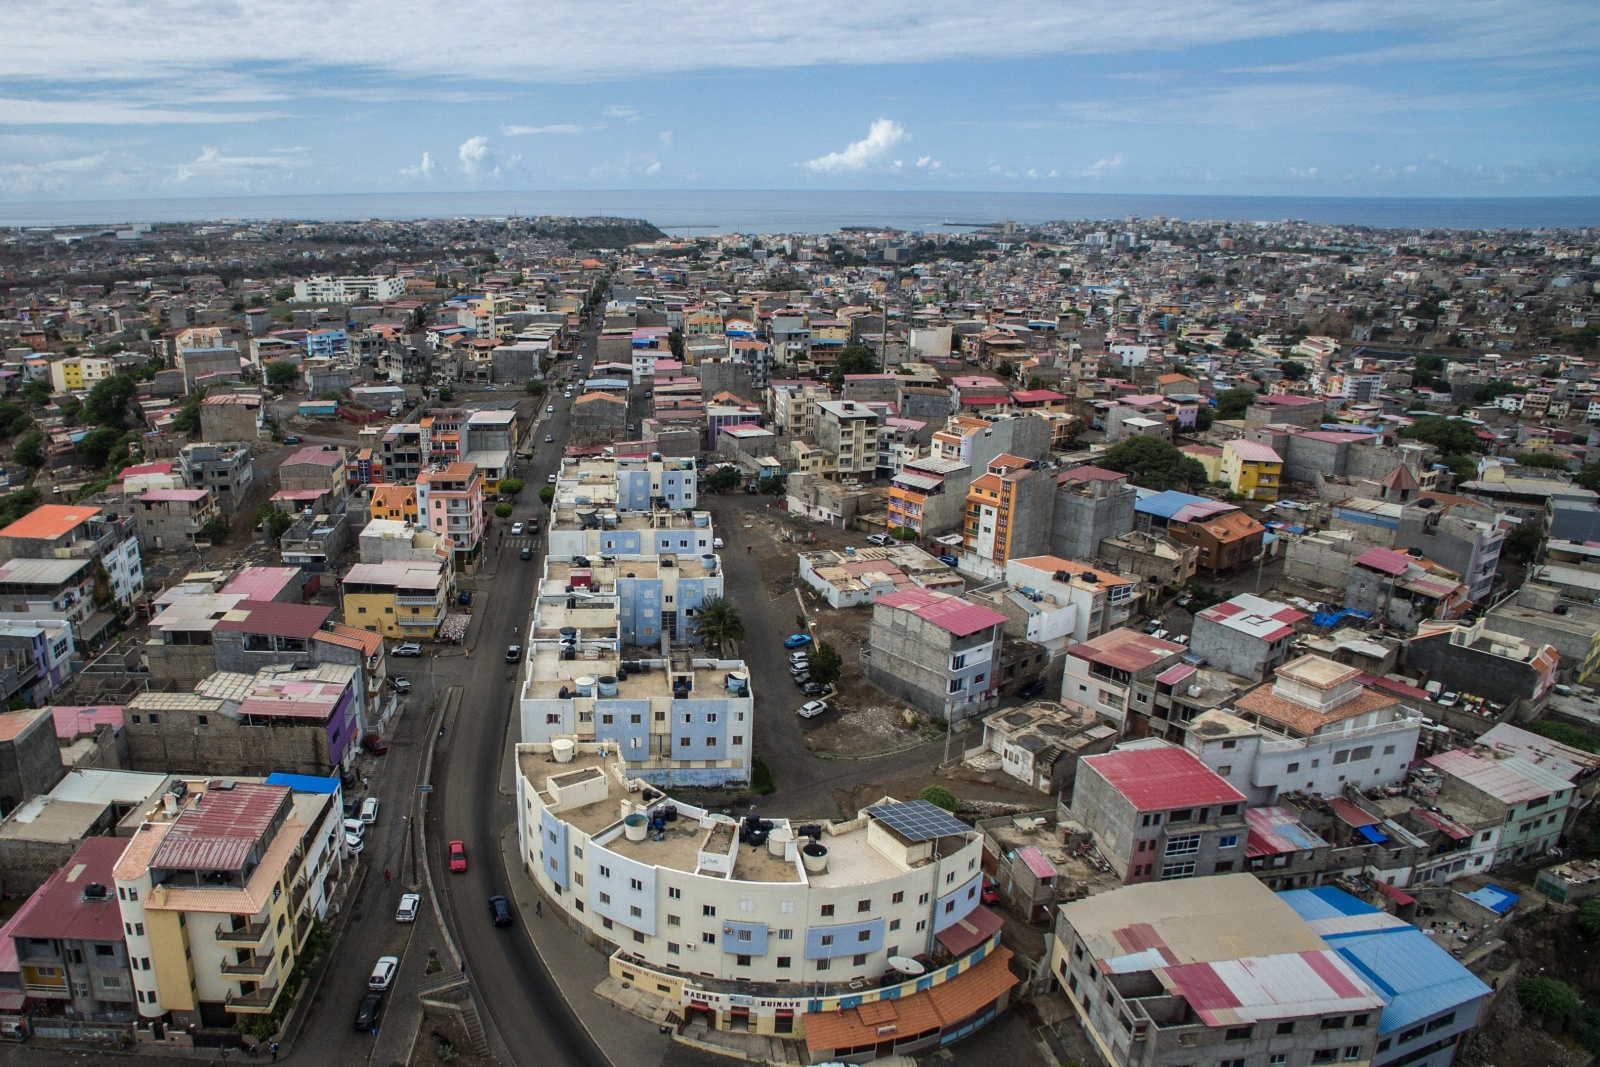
x,y
273,522
14,420
36,393
940,797
1523,543
1452,437
511,486
1236,340
69,406
675,343
535,388
187,420
503,511
281,373
724,478
903,533
1547,460
718,623
1589,917
854,359
107,405
1565,734
97,446
216,531
825,664
330,394
30,450
1549,997
546,494
283,294
1204,418
1589,477
446,394
1154,463
103,593
1496,389
1232,402
1293,370
771,486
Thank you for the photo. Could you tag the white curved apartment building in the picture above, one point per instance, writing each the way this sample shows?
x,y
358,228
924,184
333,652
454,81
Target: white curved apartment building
x,y
733,928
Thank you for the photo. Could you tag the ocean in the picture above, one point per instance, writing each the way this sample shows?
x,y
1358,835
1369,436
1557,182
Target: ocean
x,y
701,212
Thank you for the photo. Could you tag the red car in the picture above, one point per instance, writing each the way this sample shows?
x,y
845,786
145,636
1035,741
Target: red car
x,y
375,744
458,857
989,896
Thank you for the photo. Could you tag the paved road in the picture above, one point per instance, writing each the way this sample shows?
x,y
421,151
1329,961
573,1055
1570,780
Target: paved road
x,y
515,991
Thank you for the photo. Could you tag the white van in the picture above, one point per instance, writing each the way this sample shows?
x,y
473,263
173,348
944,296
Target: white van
x,y
369,810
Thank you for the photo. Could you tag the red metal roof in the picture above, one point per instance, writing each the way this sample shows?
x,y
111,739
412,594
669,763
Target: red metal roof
x,y
947,612
1160,779
282,620
1386,560
58,909
1036,862
967,934
1350,814
219,830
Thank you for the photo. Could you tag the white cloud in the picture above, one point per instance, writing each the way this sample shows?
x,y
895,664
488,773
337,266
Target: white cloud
x,y
476,159
565,40
654,168
19,179
533,131
426,169
17,112
881,137
1097,169
216,164
928,163
666,138
622,111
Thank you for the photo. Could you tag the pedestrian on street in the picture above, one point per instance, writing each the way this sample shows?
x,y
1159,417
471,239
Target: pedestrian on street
x,y
538,908
363,781
386,876
273,1048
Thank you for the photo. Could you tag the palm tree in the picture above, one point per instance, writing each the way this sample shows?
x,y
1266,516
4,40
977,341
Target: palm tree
x,y
718,623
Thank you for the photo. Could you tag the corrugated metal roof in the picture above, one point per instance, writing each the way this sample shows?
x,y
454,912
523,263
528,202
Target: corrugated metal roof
x,y
950,613
1274,831
1041,867
1416,977
1253,988
1160,779
1510,780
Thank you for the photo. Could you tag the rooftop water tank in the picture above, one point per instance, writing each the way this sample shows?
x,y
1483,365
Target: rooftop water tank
x,y
562,750
815,857
585,684
636,826
607,685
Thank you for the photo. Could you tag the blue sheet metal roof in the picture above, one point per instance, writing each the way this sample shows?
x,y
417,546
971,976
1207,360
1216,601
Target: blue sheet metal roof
x,y
1416,978
1169,503
1371,833
1494,898
305,783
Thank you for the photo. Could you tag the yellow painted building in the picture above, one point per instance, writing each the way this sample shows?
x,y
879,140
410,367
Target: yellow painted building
x,y
1251,469
397,502
404,599
219,891
74,374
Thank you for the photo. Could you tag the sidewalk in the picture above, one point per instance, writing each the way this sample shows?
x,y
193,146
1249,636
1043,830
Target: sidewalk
x,y
625,1039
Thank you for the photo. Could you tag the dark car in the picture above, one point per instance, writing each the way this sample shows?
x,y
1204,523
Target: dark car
x,y
291,439
513,653
369,1012
500,910
813,689
1031,690
465,598
526,553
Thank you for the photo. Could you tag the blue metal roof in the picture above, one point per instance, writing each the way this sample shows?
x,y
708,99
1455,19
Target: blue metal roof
x,y
305,783
1494,898
1371,833
1168,504
1416,978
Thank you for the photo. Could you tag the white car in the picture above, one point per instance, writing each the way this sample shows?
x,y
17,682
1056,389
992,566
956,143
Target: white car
x,y
551,479
355,828
881,540
812,708
410,648
410,905
369,810
383,972
550,410
517,528
352,844
716,542
799,657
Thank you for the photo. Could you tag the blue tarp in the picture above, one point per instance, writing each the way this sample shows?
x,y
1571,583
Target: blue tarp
x,y
305,783
1494,898
1371,834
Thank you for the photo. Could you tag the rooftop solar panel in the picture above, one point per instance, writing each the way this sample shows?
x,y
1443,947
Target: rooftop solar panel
x,y
918,820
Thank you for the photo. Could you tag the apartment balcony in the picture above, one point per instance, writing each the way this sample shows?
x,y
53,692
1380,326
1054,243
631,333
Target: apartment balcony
x,y
255,967
250,934
257,1000
1293,744
297,895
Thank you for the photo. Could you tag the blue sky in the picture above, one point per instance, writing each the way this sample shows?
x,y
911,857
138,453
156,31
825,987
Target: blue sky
x,y
166,98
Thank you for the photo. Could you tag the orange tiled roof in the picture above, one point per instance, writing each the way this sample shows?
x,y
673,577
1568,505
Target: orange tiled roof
x,y
931,1009
1276,710
49,521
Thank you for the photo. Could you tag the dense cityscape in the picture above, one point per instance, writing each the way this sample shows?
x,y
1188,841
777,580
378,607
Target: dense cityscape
x,y
525,640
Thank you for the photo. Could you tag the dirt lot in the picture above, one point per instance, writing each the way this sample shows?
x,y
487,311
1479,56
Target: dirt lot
x,y
441,1029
